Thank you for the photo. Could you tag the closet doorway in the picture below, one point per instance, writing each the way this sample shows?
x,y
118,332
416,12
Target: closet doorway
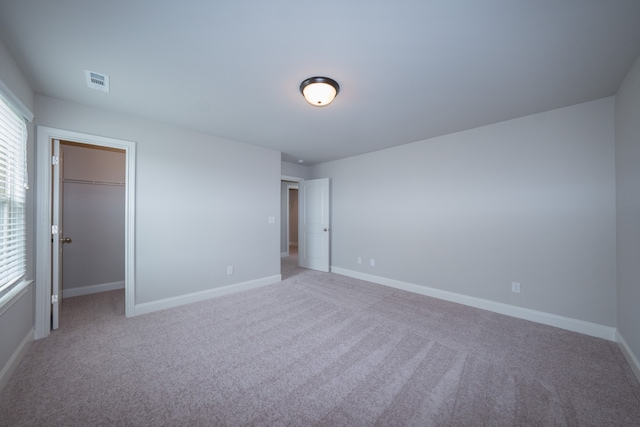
x,y
93,218
48,238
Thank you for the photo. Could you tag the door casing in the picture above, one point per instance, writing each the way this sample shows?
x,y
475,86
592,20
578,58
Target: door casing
x,y
56,249
44,190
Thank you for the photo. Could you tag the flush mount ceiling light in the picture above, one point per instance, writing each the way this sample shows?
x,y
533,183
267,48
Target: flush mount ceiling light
x,y
319,91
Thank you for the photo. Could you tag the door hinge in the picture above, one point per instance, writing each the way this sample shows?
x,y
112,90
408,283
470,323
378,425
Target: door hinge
x,y
55,160
54,299
54,229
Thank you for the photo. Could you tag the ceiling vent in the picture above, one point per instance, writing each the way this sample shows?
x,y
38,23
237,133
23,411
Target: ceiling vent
x,y
97,81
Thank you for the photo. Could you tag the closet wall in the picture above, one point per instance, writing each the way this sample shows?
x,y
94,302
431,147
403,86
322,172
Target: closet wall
x,y
94,218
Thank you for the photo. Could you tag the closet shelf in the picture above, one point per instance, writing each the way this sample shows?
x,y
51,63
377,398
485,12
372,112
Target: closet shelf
x,y
91,182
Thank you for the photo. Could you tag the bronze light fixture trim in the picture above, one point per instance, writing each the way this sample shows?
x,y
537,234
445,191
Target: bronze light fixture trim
x,y
319,91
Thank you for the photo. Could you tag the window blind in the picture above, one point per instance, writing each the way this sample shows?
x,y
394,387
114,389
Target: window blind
x,y
13,185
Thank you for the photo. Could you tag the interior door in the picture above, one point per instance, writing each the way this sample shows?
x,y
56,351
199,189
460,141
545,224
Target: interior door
x,y
313,224
56,231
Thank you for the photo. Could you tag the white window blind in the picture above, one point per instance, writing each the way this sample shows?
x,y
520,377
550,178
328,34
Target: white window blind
x,y
13,185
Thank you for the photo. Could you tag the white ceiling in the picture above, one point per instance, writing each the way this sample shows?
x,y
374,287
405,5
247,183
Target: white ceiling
x,y
408,70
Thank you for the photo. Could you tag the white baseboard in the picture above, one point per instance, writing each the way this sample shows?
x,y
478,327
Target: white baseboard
x,y
92,289
575,325
16,357
163,304
632,359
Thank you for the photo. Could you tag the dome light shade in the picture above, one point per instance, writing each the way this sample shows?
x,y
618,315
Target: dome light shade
x,y
319,91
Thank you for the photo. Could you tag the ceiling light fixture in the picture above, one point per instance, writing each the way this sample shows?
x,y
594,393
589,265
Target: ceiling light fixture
x,y
319,91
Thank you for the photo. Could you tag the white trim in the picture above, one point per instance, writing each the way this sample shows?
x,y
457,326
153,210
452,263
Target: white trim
x,y
163,304
15,359
288,213
575,325
633,361
14,295
43,219
26,113
92,289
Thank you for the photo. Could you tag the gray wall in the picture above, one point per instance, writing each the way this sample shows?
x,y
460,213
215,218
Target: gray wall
x,y
17,321
190,223
530,200
94,217
295,170
628,207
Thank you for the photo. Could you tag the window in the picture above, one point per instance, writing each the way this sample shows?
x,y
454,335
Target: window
x,y
13,185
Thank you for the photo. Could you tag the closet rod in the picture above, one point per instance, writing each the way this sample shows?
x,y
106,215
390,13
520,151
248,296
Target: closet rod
x,y
88,181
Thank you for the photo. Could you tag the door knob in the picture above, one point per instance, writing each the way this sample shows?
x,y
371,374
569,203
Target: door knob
x,y
324,229
66,240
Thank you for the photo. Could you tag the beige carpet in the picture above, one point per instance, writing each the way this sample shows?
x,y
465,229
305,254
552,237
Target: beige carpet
x,y
317,349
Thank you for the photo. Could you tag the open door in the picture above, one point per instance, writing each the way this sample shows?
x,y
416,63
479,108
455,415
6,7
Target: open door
x,y
313,224
56,232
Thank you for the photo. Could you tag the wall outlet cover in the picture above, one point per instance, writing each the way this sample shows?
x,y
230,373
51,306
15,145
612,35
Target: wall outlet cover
x,y
515,287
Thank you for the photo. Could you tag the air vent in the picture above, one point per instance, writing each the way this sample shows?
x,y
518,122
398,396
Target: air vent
x,y
97,81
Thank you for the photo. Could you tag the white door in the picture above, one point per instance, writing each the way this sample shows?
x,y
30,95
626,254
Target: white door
x,y
56,250
313,224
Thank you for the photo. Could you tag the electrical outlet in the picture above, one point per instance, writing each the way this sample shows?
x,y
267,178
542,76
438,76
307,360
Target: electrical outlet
x,y
372,262
359,260
230,270
515,287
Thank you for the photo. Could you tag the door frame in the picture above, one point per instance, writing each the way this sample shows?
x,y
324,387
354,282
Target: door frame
x,y
289,188
45,136
294,180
